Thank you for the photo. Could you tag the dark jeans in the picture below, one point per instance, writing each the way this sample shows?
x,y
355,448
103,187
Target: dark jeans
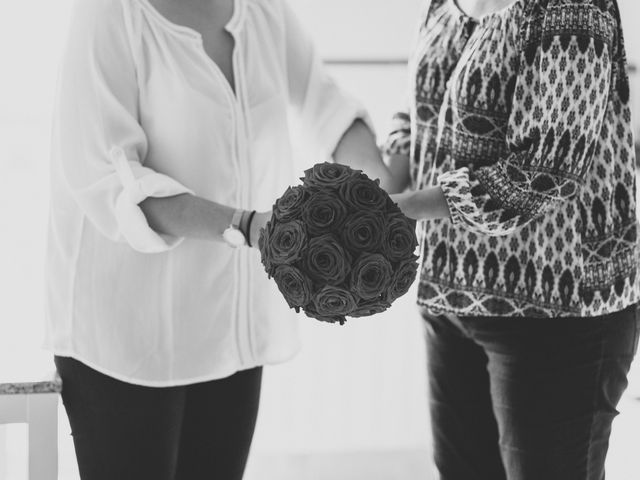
x,y
128,432
526,398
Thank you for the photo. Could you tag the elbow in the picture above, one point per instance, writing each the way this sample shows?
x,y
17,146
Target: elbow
x,y
136,230
117,215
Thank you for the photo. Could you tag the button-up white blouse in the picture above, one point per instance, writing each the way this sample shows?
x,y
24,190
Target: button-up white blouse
x,y
143,111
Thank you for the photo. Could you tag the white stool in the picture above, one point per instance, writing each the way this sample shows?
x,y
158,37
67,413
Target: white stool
x,y
34,401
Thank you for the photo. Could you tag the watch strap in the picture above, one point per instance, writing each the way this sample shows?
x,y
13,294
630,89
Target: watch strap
x,y
246,225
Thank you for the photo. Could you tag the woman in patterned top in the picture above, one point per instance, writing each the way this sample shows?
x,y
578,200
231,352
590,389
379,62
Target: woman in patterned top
x,y
518,149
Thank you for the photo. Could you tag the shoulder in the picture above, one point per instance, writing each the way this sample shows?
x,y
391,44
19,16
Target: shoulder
x,y
102,27
99,22
580,19
427,7
269,9
276,19
570,13
98,12
583,32
603,5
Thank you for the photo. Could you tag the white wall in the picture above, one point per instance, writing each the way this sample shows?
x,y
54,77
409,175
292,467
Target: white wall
x,y
630,11
360,28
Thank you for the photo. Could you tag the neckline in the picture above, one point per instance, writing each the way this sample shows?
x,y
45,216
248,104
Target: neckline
x,y
232,25
486,16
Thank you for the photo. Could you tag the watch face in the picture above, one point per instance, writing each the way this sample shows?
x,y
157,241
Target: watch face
x,y
234,237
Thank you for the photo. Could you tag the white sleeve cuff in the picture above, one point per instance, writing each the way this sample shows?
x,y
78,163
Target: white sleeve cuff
x,y
140,183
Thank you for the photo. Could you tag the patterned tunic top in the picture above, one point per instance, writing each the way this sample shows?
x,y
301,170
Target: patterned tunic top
x,y
523,118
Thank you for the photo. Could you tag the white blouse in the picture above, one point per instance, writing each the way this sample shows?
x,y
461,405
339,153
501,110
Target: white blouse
x,y
142,111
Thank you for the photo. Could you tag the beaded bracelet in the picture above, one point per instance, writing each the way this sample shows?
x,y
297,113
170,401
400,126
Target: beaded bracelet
x,y
247,234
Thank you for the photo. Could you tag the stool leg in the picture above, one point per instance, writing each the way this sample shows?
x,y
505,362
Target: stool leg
x,y
43,436
3,450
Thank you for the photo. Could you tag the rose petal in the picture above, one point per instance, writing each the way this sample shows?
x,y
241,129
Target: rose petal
x,y
371,276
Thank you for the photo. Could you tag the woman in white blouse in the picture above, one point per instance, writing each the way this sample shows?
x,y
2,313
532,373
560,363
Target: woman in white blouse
x,y
170,132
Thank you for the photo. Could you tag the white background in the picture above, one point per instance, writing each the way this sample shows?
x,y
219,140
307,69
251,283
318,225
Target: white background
x,y
352,404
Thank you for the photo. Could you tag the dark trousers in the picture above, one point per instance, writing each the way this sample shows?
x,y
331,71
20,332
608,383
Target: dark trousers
x,y
526,399
128,432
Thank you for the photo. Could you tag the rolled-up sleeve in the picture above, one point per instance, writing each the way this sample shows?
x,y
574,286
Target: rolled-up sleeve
x,y
98,143
554,125
325,110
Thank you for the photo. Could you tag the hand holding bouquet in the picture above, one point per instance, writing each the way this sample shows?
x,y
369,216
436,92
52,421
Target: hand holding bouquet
x,y
338,246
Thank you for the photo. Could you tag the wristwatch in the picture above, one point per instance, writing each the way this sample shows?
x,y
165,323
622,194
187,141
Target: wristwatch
x,y
233,235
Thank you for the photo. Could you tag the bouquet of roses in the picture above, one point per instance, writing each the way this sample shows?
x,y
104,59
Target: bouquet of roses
x,y
338,246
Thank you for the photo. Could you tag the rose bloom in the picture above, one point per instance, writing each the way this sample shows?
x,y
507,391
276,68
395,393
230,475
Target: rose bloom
x,y
361,193
370,276
328,174
285,243
323,212
362,232
289,206
400,238
263,246
367,308
403,278
332,303
317,230
310,312
326,262
294,286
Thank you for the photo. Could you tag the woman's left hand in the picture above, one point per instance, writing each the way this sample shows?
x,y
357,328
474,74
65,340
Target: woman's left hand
x,y
259,222
426,204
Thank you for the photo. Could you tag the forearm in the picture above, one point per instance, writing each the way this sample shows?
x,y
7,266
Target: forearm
x,y
425,204
187,216
358,149
194,217
399,168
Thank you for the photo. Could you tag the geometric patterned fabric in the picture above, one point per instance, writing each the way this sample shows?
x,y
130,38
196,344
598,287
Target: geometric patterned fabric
x,y
523,118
